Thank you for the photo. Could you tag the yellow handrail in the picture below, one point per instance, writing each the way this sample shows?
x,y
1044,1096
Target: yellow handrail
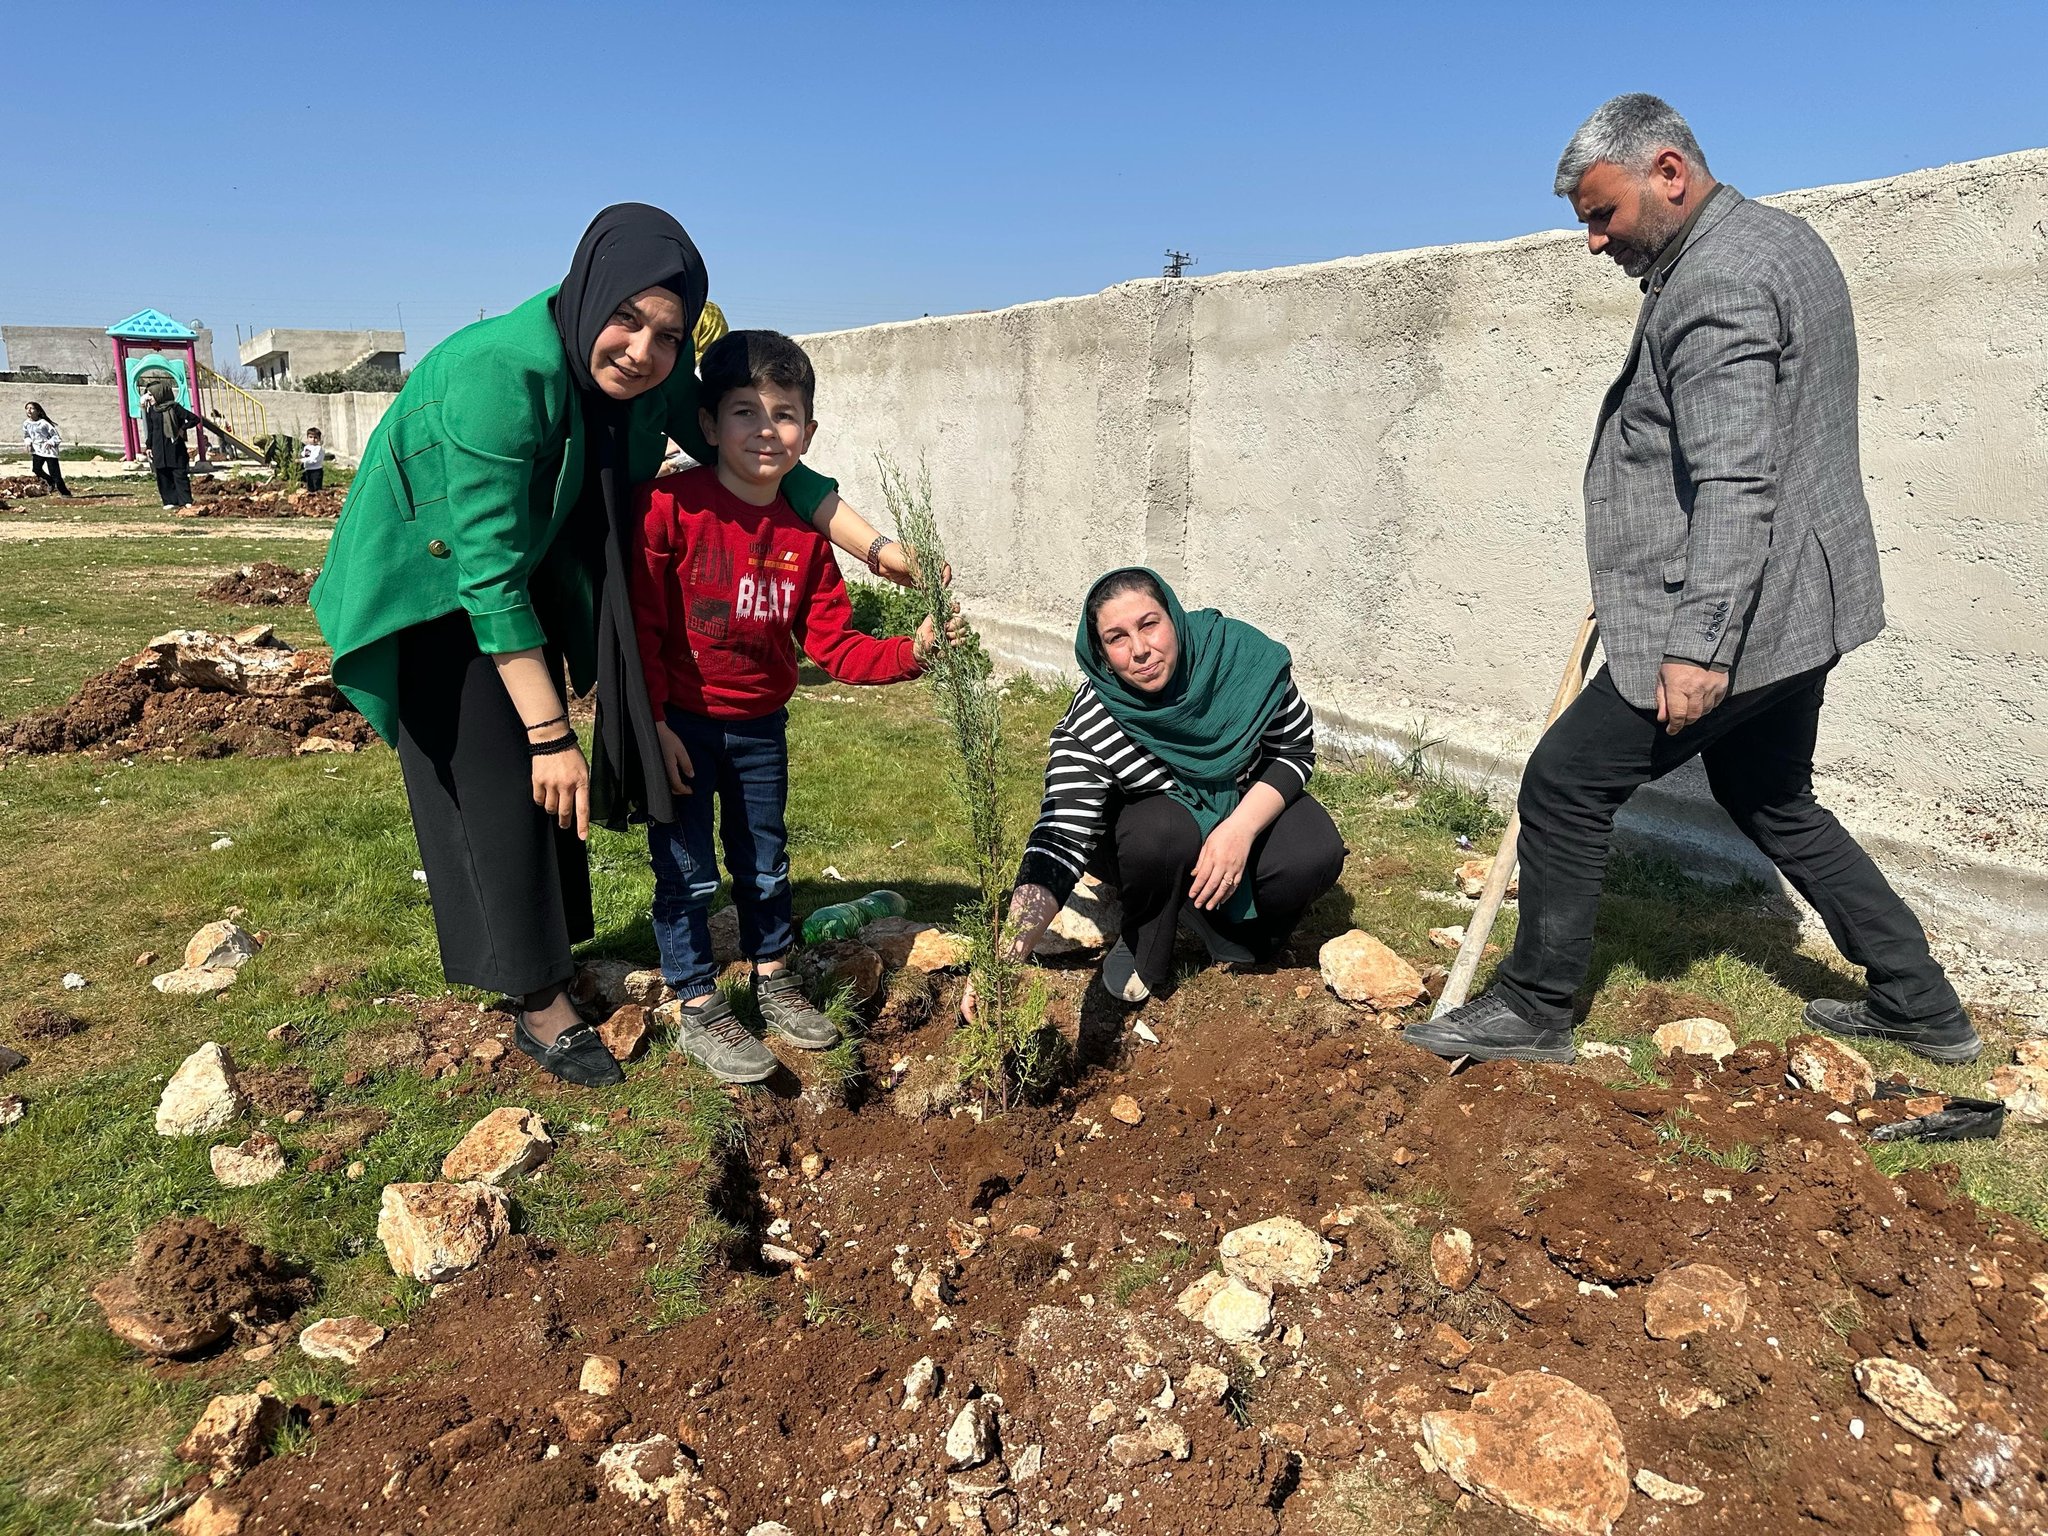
x,y
234,407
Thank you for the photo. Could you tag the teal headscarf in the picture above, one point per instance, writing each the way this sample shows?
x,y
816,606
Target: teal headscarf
x,y
1205,724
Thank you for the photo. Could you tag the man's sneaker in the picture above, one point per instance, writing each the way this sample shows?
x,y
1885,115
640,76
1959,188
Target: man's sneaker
x,y
1222,948
1120,974
786,1010
1949,1038
1486,1029
713,1037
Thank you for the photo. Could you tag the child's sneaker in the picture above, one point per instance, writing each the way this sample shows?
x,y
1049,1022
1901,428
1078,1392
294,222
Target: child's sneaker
x,y
711,1035
786,1010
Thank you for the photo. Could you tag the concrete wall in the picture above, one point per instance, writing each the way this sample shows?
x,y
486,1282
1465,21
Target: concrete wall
x,y
90,415
85,349
1378,460
299,354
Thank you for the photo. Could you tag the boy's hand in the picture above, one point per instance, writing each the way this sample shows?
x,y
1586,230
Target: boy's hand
x,y
675,758
897,566
926,637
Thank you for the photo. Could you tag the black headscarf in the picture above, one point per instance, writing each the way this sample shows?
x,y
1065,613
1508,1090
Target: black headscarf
x,y
629,247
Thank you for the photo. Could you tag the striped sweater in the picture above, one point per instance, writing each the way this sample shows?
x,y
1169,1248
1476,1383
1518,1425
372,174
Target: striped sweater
x,y
1090,758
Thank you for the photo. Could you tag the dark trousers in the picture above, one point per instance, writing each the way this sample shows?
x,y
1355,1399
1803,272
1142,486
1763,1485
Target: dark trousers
x,y
174,486
1150,857
510,888
314,478
50,472
742,766
1757,748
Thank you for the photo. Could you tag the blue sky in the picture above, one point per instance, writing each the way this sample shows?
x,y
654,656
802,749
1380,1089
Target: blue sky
x,y
843,164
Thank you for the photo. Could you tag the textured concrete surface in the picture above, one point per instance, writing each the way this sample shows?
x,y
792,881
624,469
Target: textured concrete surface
x,y
90,415
82,349
299,354
1378,460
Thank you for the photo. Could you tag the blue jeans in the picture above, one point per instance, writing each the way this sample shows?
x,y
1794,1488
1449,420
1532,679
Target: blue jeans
x,y
744,764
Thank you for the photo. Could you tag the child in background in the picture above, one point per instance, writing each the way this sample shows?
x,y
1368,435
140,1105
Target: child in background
x,y
44,444
729,579
313,460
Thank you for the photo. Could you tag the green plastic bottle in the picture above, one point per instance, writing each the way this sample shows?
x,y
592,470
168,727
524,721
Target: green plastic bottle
x,y
845,919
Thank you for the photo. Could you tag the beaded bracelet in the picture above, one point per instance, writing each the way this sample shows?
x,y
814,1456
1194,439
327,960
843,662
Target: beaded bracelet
x,y
566,743
541,725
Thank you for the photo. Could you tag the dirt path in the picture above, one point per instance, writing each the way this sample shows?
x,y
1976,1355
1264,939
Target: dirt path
x,y
21,533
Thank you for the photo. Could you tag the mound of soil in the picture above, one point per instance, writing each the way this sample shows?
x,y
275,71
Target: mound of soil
x,y
191,1284
23,487
40,1023
1036,1258
197,695
212,498
265,584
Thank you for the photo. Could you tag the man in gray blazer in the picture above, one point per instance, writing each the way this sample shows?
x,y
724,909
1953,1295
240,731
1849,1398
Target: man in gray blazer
x,y
1733,564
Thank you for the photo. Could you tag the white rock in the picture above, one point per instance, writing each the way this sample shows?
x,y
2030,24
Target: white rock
x,y
919,1383
435,1232
1908,1398
646,1471
256,1161
1238,1314
972,1437
201,1096
1091,920
1695,1037
507,1142
1663,1490
347,1339
194,983
73,982
1276,1251
221,945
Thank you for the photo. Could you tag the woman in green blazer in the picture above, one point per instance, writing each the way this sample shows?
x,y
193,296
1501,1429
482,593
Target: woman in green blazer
x,y
482,551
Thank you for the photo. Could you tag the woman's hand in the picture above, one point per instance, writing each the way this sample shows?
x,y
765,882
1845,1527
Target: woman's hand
x,y
898,565
1032,909
926,637
675,757
1220,869
561,787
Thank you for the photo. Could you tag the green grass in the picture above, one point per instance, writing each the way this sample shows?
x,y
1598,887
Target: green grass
x,y
1140,1274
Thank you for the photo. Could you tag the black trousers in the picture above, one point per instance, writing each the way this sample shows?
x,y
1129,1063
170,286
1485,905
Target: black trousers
x,y
174,486
1757,748
510,888
50,472
1150,857
313,478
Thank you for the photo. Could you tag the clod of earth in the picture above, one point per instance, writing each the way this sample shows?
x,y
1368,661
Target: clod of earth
x,y
202,1095
600,1376
1452,1260
1694,1299
37,1022
233,1434
434,1232
1694,1037
1541,1446
256,1161
1830,1067
1274,1252
264,584
11,1060
191,1283
647,1471
1908,1398
1360,969
345,1339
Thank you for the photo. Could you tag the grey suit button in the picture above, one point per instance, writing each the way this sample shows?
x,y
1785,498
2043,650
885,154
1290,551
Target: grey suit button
x,y
437,549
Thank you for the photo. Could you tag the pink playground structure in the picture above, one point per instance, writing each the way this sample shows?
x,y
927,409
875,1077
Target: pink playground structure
x,y
150,346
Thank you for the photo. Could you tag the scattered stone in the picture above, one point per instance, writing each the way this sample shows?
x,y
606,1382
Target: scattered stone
x,y
1276,1251
647,988
489,1052
919,1383
1448,938
936,950
346,1339
972,1437
233,1434
1360,969
284,1034
1029,1463
1237,1314
211,1514
1918,1516
11,1060
73,982
646,1471
725,936
1695,1037
504,1144
1452,1259
840,964
1694,1299
1091,920
12,1107
1134,1448
891,938
1541,1446
587,1420
624,1034
600,1376
1908,1398
1145,1032
2023,1088
1662,1489
1205,1384
1472,876
256,1161
601,981
770,1528
931,1290
1125,1108
222,945
813,1164
199,983
189,1284
435,1232
202,1095
1830,1067
147,957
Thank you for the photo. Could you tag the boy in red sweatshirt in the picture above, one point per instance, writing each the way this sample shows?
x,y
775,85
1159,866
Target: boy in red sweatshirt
x,y
728,582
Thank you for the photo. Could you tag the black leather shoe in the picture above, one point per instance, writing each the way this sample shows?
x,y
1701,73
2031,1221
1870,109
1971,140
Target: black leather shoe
x,y
1486,1029
1949,1038
579,1056
1223,949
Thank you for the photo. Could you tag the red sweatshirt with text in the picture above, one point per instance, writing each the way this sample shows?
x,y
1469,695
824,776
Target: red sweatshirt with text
x,y
724,591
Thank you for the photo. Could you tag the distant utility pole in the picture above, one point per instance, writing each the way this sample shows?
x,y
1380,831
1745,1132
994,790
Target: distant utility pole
x,y
1177,264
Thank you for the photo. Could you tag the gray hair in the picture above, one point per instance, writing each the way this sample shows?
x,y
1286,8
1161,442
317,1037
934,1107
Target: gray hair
x,y
1628,131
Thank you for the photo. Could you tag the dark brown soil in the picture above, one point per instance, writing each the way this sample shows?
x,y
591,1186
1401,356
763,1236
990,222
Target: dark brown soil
x,y
1065,1235
265,584
212,498
40,1023
119,713
187,1270
23,487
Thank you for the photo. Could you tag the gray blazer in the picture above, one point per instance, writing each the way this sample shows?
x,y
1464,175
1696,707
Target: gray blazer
x,y
1725,519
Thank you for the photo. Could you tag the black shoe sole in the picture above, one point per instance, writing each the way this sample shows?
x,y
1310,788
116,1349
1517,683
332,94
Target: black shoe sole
x,y
1958,1053
1556,1055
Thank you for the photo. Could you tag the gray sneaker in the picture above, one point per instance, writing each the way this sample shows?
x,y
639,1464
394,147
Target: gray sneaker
x,y
711,1035
786,1010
